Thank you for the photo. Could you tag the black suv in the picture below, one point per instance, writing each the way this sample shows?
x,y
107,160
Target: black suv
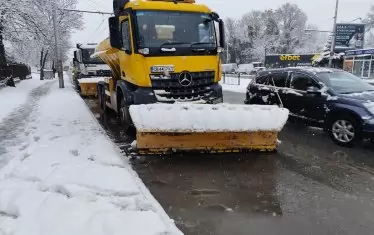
x,y
337,101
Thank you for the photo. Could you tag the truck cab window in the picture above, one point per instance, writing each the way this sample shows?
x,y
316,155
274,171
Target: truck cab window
x,y
301,82
126,40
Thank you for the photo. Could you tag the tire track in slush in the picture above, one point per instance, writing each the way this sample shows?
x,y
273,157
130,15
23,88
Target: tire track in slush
x,y
14,124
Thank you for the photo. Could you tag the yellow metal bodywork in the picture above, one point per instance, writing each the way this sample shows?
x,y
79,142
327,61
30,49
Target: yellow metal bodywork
x,y
220,142
135,68
168,6
88,89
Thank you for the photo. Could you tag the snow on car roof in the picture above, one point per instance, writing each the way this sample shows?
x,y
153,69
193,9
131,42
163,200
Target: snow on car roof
x,y
313,70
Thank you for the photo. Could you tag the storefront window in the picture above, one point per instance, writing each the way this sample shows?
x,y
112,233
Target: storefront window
x,y
357,68
372,69
366,69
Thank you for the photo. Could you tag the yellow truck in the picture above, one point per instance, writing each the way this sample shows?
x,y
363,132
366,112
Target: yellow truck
x,y
168,51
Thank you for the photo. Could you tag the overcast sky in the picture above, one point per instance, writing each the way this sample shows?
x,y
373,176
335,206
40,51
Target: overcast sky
x,y
320,12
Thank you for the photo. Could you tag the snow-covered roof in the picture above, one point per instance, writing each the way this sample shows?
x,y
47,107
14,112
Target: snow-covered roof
x,y
313,70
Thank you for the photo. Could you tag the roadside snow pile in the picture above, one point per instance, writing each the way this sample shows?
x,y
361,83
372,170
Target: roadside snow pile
x,y
67,177
207,118
91,80
13,97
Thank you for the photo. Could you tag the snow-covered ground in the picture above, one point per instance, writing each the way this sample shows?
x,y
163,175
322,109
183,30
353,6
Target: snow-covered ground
x,y
11,98
232,84
66,176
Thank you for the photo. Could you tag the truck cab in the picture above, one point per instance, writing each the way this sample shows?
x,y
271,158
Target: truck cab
x,y
88,66
163,51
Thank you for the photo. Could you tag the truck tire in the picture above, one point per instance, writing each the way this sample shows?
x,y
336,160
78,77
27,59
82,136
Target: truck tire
x,y
101,96
125,118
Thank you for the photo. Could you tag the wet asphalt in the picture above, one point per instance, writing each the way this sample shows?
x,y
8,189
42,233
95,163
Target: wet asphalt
x,y
309,186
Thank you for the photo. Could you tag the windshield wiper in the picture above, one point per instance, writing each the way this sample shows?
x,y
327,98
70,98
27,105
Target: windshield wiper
x,y
162,48
173,43
200,43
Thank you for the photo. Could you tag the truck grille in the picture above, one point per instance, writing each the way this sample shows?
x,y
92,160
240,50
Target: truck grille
x,y
169,90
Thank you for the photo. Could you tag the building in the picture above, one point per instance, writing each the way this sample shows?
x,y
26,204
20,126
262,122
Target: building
x,y
360,63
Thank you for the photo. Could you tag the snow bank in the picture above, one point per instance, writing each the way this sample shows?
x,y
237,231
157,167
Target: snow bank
x,y
67,177
207,118
91,80
11,98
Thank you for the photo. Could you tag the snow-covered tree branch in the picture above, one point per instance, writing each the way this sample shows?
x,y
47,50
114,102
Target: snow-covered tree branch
x,y
258,33
26,27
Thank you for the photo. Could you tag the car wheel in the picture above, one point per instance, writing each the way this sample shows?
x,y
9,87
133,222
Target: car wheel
x,y
344,131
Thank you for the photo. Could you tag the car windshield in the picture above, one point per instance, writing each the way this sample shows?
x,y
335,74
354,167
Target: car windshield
x,y
344,83
86,55
177,29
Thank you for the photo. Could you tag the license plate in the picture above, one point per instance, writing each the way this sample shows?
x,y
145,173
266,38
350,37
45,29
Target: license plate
x,y
162,68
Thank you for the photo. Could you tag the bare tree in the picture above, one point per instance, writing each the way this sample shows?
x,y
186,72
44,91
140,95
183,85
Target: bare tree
x,y
27,27
370,18
292,21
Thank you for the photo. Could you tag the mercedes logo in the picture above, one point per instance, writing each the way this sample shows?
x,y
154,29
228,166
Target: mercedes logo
x,y
185,79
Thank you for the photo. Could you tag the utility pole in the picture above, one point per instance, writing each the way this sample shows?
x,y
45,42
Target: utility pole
x,y
334,34
227,53
58,62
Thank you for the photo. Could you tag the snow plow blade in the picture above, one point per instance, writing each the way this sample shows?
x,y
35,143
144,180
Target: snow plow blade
x,y
88,86
223,128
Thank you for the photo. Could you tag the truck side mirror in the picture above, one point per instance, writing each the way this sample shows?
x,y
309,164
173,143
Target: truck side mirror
x,y
221,25
75,57
115,39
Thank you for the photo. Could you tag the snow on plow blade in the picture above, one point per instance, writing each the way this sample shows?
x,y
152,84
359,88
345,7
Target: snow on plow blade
x,y
167,128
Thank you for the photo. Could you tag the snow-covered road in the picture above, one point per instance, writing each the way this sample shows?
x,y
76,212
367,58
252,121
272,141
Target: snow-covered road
x,y
65,175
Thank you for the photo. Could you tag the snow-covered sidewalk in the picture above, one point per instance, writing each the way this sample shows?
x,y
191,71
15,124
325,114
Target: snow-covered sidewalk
x,y
12,97
67,177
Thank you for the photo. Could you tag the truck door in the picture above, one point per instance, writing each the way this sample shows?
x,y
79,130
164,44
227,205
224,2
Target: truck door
x,y
125,57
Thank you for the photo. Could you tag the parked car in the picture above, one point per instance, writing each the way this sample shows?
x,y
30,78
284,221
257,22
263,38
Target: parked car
x,y
337,101
249,68
229,68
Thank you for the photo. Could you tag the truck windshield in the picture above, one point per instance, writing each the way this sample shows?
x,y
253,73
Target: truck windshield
x,y
158,29
86,56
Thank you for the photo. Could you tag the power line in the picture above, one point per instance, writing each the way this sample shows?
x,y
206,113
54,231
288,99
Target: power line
x,y
91,12
102,22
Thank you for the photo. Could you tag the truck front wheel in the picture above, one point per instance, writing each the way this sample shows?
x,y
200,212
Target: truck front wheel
x,y
124,117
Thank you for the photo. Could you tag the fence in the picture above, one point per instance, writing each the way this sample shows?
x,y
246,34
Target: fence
x,y
234,79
